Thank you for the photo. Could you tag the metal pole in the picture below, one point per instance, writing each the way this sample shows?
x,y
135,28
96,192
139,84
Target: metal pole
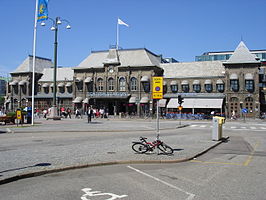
x,y
55,62
117,34
157,124
33,65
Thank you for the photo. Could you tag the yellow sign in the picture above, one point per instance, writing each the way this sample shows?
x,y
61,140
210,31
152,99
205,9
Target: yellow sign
x,y
157,87
19,115
180,107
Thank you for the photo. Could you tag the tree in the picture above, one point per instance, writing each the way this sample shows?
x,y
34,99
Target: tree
x,y
2,101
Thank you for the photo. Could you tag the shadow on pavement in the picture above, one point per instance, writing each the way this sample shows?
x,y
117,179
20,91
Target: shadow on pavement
x,y
36,165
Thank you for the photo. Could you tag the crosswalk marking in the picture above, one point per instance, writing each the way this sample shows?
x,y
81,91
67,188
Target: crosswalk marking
x,y
229,127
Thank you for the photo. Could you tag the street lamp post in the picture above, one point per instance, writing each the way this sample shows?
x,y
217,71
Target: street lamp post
x,y
54,28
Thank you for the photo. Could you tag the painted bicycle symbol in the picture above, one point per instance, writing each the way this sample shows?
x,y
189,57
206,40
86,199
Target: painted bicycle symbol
x,y
90,193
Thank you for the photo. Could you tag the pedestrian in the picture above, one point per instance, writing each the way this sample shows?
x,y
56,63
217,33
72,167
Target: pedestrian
x,y
89,114
45,113
68,113
102,112
77,113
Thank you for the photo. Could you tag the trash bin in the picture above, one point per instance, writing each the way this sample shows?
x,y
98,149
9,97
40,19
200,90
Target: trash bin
x,y
29,115
217,128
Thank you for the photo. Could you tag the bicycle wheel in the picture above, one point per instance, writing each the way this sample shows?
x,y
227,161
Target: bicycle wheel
x,y
140,148
166,149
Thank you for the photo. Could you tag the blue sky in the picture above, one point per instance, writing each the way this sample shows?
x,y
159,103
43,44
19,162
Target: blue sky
x,y
180,29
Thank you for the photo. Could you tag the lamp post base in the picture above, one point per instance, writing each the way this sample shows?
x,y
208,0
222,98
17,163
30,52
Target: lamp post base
x,y
53,115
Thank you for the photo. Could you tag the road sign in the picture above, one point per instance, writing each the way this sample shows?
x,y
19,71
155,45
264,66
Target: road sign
x,y
157,87
244,110
19,115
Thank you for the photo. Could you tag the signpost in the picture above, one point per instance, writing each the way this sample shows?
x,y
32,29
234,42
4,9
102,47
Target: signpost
x,y
157,93
19,116
244,111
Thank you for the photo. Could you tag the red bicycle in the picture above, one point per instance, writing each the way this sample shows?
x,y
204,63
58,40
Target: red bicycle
x,y
143,146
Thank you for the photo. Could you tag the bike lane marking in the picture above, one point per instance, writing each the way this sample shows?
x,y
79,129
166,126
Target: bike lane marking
x,y
190,195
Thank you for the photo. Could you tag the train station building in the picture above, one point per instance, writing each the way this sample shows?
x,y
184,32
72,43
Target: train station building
x,y
119,80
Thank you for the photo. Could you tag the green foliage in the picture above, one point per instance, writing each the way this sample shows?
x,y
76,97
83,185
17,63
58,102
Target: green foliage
x,y
2,100
11,114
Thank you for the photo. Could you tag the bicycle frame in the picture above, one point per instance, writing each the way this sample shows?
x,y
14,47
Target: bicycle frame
x,y
153,144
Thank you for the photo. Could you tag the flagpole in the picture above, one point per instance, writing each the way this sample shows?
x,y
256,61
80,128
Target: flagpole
x,y
33,64
117,34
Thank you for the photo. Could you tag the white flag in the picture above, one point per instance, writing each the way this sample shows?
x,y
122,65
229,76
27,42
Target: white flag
x,y
122,23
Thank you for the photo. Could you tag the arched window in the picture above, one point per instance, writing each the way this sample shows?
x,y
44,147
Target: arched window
x,y
122,84
174,86
208,86
220,85
196,86
133,84
249,82
111,84
234,82
185,86
100,84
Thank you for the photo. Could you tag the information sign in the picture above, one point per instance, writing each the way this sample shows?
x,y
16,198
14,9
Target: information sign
x,y
157,87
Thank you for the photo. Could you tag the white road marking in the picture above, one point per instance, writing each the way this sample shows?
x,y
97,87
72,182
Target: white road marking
x,y
202,126
243,127
252,127
91,193
263,128
190,195
194,125
233,127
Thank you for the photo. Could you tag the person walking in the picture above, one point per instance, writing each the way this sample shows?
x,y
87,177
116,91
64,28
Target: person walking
x,y
68,113
89,114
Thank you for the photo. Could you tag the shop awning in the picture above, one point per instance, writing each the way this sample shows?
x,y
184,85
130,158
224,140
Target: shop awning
x,y
132,100
233,77
144,79
88,80
45,85
202,103
15,82
162,103
196,103
86,100
249,76
61,85
78,79
68,84
173,83
196,82
219,81
208,82
144,100
77,100
184,82
173,103
22,82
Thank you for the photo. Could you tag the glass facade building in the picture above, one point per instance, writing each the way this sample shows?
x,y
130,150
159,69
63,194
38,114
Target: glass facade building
x,y
223,56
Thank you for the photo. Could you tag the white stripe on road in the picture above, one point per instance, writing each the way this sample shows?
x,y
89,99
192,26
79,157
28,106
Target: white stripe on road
x,y
264,128
233,127
202,126
194,125
252,127
190,195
